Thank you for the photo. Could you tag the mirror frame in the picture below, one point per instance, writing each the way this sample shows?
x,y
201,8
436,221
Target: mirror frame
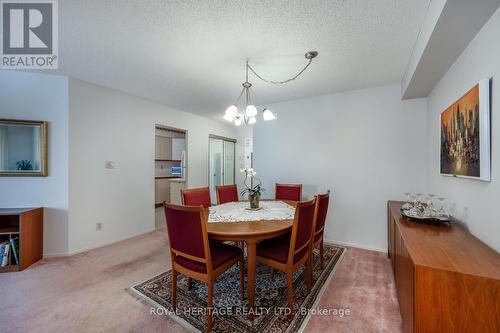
x,y
43,148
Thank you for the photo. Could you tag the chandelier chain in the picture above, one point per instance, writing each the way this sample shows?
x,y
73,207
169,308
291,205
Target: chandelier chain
x,y
278,82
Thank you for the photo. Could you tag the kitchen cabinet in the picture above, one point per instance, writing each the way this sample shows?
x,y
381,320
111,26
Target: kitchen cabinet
x,y
163,148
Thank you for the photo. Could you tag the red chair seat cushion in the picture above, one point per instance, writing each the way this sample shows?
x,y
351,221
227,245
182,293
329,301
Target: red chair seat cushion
x,y
277,249
220,252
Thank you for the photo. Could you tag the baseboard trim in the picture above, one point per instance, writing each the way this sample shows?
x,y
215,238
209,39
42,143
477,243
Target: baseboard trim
x,y
359,246
55,255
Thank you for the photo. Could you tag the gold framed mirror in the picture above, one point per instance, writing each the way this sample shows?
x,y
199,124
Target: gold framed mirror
x,y
23,148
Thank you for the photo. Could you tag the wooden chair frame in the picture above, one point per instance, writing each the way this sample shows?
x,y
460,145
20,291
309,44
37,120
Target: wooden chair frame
x,y
223,187
192,190
319,243
289,267
211,275
288,185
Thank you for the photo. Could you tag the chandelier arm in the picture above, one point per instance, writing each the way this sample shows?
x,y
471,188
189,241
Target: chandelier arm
x,y
239,97
279,82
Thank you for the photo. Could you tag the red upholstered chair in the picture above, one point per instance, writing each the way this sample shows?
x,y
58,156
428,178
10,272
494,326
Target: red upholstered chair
x,y
226,193
322,201
194,255
290,252
196,197
291,192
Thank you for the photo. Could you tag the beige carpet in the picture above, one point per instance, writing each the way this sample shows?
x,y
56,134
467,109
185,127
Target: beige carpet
x,y
85,292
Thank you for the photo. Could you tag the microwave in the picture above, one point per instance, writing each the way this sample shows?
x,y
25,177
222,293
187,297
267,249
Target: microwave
x,y
176,171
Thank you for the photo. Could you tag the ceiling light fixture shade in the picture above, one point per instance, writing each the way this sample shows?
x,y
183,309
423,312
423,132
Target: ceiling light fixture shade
x,y
251,111
231,112
268,115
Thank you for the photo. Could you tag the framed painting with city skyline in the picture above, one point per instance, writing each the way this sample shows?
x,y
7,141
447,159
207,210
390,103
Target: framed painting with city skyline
x,y
465,135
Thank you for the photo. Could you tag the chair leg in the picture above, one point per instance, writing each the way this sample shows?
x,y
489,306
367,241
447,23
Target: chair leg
x,y
289,281
190,283
321,253
209,306
308,274
242,279
311,264
174,290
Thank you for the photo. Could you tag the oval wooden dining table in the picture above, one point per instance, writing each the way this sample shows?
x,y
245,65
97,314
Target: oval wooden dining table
x,y
250,232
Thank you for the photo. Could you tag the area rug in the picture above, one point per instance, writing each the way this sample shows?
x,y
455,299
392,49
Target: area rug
x,y
230,312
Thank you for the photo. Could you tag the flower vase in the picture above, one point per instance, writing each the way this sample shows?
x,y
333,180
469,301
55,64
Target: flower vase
x,y
254,200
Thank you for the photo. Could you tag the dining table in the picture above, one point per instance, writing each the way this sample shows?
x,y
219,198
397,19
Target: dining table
x,y
237,222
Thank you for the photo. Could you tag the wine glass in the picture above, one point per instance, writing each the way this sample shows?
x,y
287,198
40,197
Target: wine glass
x,y
430,201
407,194
441,205
418,199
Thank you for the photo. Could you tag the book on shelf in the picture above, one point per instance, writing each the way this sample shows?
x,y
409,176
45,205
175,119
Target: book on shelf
x,y
2,250
14,246
5,254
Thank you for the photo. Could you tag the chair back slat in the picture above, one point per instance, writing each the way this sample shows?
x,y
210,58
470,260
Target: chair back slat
x,y
187,233
227,193
196,197
302,227
322,202
291,192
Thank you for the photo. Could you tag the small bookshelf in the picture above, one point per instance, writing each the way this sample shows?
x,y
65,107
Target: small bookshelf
x,y
21,228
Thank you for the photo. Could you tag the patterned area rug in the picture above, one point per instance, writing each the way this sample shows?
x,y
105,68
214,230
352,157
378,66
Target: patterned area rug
x,y
230,312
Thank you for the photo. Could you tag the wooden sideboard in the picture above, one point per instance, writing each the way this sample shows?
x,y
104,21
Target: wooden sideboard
x,y
447,280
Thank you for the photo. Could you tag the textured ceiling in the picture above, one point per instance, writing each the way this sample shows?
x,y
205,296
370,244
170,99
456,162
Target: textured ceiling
x,y
191,54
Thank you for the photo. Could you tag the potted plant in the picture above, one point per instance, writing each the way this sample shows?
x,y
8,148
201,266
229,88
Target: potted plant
x,y
253,191
24,165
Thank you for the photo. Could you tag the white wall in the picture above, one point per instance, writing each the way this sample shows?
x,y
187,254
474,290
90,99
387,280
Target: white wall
x,y
367,146
33,96
474,202
106,124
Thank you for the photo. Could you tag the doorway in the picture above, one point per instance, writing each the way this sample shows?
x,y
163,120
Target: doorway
x,y
170,169
222,163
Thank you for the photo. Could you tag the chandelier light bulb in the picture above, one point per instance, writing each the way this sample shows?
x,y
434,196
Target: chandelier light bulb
x,y
231,113
252,120
251,111
268,115
237,121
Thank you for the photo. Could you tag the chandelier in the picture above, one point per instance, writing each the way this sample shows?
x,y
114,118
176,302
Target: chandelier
x,y
235,113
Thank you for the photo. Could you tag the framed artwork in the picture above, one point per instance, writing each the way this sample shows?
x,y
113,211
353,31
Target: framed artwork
x,y
465,135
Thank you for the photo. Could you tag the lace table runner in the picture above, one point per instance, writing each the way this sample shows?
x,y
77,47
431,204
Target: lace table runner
x,y
239,211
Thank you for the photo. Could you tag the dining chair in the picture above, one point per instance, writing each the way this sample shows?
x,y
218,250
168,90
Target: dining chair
x,y
226,193
322,201
290,252
291,192
194,255
196,197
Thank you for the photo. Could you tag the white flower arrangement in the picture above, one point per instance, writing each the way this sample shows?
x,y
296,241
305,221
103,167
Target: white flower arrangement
x,y
252,190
